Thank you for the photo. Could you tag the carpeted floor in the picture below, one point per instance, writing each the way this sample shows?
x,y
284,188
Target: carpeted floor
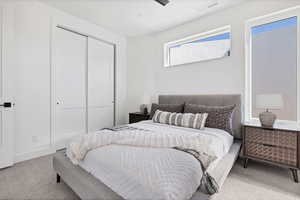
x,y
35,179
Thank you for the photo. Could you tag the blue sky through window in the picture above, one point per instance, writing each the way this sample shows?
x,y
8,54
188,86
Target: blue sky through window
x,y
225,36
290,22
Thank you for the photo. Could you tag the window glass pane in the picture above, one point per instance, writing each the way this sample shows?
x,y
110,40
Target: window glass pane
x,y
274,68
212,47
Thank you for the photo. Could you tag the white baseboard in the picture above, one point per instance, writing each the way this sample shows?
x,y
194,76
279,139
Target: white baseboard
x,y
45,150
62,142
42,151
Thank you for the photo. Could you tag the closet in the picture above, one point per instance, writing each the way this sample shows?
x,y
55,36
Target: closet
x,y
83,85
100,85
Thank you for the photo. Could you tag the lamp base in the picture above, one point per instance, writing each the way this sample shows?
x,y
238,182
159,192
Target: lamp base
x,y
267,119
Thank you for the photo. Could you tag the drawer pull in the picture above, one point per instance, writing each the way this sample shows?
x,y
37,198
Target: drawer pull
x,y
269,145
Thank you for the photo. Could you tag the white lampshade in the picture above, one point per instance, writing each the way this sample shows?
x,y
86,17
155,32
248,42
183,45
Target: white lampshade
x,y
269,101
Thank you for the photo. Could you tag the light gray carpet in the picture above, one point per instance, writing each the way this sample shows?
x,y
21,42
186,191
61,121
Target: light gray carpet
x,y
35,179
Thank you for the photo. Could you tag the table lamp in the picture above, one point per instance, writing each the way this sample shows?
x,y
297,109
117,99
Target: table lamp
x,y
268,102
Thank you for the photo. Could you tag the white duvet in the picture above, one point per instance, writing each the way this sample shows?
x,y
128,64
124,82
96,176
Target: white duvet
x,y
154,173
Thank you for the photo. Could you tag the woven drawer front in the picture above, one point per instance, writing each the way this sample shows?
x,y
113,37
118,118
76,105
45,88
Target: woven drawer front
x,y
275,154
279,138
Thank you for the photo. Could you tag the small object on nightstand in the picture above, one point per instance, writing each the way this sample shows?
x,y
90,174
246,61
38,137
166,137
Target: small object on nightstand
x,y
268,101
144,106
276,146
267,119
137,117
144,109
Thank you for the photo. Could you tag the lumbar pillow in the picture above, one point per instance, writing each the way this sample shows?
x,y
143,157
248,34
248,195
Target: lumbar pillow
x,y
178,108
218,116
189,120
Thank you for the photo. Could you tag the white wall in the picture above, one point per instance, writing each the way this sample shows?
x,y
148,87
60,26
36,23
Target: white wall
x,y
34,24
32,91
146,73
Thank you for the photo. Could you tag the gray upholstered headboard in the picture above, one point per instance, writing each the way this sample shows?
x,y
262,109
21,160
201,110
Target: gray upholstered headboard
x,y
210,100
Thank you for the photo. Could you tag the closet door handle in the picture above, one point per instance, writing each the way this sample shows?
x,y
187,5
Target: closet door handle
x,y
6,105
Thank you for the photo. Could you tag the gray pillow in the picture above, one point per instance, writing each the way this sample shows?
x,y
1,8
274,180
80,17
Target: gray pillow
x,y
178,108
218,116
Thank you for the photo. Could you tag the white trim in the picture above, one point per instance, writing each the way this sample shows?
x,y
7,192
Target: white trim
x,y
52,85
273,17
35,153
273,14
207,34
200,36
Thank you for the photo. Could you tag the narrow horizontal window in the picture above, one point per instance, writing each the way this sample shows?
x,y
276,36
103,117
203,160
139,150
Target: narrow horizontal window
x,y
205,46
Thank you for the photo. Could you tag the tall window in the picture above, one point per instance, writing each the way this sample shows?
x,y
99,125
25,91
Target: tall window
x,y
272,65
205,46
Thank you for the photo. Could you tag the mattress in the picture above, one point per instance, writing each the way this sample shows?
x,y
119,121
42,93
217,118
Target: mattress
x,y
86,186
137,172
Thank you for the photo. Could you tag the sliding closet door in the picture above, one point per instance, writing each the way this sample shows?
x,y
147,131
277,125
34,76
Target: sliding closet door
x,y
100,84
70,84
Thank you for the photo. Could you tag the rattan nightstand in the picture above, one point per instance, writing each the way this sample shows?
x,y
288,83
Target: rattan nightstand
x,y
272,145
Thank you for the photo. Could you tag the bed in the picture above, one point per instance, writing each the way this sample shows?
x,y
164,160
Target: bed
x,y
88,186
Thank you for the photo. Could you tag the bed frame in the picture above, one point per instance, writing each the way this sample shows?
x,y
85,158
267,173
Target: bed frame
x,y
86,186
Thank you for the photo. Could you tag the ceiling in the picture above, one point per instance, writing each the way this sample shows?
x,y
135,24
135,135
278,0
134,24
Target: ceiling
x,y
139,17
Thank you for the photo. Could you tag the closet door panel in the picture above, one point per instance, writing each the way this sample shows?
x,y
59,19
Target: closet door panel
x,y
70,79
75,123
100,118
70,84
100,84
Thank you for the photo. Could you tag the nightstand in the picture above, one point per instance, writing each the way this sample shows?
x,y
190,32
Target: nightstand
x,y
137,117
275,146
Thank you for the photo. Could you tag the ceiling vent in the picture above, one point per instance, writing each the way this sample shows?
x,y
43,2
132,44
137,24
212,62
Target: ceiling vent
x,y
162,2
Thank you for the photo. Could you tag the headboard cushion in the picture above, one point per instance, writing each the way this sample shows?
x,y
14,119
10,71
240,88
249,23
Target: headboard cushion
x,y
210,100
